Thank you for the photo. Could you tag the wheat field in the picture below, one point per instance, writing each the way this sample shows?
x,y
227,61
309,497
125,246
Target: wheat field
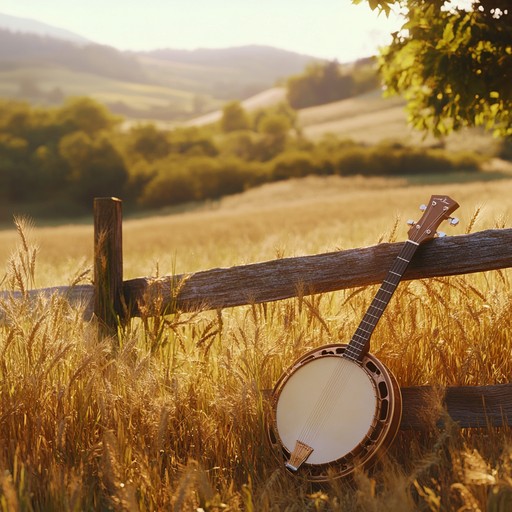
x,y
171,415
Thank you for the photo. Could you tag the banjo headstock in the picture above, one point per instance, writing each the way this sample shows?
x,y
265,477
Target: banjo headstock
x,y
436,211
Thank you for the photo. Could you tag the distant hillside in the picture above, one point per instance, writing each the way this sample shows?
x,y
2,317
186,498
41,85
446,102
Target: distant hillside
x,y
29,26
366,118
167,85
371,118
240,72
261,100
18,50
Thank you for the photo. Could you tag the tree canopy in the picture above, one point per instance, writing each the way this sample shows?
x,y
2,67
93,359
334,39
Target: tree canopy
x,y
55,160
452,61
320,83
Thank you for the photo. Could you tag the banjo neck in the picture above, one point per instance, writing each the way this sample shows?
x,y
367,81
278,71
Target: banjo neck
x,y
437,210
358,345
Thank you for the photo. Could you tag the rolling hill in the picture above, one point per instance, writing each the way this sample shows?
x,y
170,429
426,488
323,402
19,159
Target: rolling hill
x,y
369,118
44,64
365,118
238,72
30,26
372,118
261,100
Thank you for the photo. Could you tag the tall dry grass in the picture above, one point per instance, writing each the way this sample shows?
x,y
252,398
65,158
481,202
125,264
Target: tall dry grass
x,y
172,415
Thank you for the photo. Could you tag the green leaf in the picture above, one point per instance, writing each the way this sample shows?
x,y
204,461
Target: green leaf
x,y
463,54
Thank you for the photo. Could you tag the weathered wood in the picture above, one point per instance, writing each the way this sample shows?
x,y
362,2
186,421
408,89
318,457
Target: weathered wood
x,y
80,295
108,262
289,277
468,406
425,407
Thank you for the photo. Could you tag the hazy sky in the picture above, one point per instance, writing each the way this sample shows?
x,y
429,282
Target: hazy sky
x,y
323,28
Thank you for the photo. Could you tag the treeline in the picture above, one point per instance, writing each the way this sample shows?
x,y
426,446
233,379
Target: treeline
x,y
322,83
54,161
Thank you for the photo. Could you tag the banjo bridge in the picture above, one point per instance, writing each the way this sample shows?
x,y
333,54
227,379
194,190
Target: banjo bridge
x,y
299,455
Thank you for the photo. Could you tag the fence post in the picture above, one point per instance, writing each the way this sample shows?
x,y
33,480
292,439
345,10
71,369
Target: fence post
x,y
108,263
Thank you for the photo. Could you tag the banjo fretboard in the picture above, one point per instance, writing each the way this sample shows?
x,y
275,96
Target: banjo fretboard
x,y
357,346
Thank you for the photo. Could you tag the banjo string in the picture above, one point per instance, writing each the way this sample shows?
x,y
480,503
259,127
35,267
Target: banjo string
x,y
320,412
339,376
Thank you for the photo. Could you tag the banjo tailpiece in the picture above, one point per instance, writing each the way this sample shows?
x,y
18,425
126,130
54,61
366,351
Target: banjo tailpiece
x,y
299,455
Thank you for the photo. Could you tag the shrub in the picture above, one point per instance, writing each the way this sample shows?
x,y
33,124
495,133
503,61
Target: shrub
x,y
97,168
465,161
192,141
234,117
170,185
215,177
353,160
505,150
393,159
293,164
240,144
183,180
148,142
235,175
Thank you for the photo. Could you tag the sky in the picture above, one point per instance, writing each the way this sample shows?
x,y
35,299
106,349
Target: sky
x,y
330,29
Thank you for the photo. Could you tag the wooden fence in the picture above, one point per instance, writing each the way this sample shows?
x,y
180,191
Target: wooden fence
x,y
112,300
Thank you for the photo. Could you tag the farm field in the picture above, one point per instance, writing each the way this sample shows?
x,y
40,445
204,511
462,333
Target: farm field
x,y
369,118
316,214
144,98
171,415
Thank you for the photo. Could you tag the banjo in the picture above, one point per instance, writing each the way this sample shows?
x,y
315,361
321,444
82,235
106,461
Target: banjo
x,y
338,407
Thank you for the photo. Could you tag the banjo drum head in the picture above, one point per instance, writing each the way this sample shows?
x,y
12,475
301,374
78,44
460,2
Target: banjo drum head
x,y
328,403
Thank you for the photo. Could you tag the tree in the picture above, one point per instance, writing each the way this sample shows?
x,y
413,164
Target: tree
x,y
320,83
85,114
453,64
148,142
193,140
234,117
96,167
15,173
274,129
282,109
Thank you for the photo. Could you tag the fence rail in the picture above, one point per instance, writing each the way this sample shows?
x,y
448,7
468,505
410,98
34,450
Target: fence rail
x,y
307,275
468,406
303,275
111,298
